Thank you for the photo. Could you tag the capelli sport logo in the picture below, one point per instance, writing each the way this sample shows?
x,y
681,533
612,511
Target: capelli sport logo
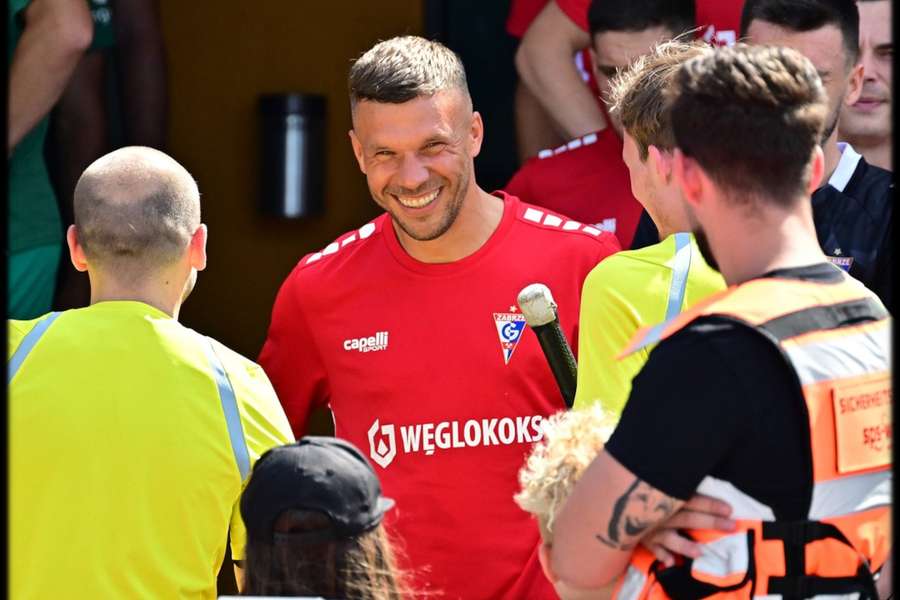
x,y
372,343
428,438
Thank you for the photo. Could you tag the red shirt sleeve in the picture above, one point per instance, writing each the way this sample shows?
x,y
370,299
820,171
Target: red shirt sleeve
x,y
576,10
521,15
292,360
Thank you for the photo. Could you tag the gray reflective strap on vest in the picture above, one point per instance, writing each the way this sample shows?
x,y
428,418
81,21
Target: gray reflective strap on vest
x,y
681,266
27,345
230,408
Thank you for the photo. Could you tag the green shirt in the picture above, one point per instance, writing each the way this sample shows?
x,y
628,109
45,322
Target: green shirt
x,y
629,290
104,33
33,213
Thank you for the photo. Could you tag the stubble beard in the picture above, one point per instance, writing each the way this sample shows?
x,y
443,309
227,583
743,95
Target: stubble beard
x,y
454,204
831,124
705,249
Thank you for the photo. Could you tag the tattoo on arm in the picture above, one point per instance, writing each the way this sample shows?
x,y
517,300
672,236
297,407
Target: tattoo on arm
x,y
637,510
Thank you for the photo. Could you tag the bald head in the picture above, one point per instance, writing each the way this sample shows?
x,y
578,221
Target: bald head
x,y
135,211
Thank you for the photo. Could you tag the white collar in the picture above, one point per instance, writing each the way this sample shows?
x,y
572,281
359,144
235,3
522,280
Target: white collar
x,y
845,167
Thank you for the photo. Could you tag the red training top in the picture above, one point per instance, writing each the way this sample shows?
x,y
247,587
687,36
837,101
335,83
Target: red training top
x,y
719,20
429,369
586,180
521,14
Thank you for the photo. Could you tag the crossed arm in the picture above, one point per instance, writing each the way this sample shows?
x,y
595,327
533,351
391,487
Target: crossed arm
x,y
609,512
544,62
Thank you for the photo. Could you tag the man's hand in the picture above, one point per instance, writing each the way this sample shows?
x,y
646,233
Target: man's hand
x,y
700,512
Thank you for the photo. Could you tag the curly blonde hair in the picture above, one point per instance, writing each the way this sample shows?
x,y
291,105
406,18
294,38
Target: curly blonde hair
x,y
572,439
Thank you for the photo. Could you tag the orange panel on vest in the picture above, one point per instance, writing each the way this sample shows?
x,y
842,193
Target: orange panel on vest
x,y
862,414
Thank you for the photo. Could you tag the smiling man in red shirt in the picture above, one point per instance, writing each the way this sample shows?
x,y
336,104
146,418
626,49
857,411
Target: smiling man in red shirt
x,y
407,328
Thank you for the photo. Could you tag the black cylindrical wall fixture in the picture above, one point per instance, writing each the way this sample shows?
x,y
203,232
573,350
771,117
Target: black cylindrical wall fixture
x,y
293,154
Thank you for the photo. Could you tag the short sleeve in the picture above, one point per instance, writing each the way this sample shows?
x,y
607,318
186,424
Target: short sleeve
x,y
16,7
237,532
264,425
292,360
606,323
576,10
683,415
521,14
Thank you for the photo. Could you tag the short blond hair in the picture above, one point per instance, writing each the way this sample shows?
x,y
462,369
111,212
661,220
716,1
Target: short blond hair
x,y
572,439
638,94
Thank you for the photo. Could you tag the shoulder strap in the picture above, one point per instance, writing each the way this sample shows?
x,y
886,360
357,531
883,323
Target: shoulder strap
x,y
755,302
681,266
230,408
27,345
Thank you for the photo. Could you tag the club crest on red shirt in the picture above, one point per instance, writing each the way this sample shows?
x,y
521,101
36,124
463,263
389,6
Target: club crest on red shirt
x,y
509,329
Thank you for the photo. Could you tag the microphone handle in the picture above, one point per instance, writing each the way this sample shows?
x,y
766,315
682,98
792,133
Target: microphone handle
x,y
559,356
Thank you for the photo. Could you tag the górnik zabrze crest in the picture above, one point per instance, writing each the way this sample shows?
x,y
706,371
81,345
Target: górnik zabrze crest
x,y
510,326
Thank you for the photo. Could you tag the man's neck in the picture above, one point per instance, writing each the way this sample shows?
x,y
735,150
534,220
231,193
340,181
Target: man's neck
x,y
832,156
477,220
165,297
876,152
776,240
671,206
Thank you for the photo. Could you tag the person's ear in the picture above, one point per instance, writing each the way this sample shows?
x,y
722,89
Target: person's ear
x,y
544,559
689,177
197,248
854,85
76,252
476,134
660,163
357,151
816,170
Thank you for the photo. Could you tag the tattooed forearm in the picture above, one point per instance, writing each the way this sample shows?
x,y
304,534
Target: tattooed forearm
x,y
640,508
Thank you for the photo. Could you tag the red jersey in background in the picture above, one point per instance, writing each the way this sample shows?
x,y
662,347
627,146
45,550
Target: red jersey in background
x,y
719,20
586,180
430,370
523,12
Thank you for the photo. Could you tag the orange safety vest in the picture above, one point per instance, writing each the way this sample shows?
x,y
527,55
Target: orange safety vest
x,y
836,338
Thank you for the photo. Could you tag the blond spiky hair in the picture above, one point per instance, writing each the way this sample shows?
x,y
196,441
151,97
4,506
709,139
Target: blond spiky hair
x,y
572,439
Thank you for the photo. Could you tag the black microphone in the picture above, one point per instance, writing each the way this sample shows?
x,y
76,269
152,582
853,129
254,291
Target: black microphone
x,y
539,309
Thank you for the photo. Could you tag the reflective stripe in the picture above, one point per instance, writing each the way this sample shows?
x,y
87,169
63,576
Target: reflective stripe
x,y
230,408
633,584
681,266
724,557
853,596
848,495
27,345
842,357
743,506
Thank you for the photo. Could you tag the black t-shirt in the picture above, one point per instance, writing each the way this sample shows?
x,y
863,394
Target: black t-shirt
x,y
717,398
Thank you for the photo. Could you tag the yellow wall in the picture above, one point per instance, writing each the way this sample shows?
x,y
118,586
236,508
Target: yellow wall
x,y
222,56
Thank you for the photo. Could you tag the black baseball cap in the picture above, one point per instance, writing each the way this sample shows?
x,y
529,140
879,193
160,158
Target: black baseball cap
x,y
326,474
